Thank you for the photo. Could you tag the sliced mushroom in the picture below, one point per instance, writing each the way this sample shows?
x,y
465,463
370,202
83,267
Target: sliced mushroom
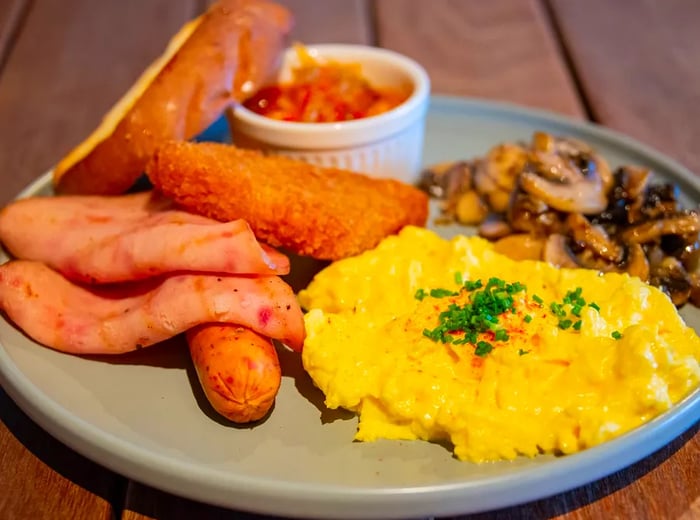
x,y
594,237
669,276
636,263
494,227
569,176
633,181
554,167
531,215
690,255
557,251
495,175
543,142
562,189
626,198
661,200
445,180
504,163
694,297
582,196
651,231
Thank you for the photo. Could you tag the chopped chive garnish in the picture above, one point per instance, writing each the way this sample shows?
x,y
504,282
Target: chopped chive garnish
x,y
470,285
594,305
577,325
522,352
616,334
495,282
479,315
527,318
458,278
515,287
483,348
420,294
441,293
537,299
501,335
565,324
557,309
574,297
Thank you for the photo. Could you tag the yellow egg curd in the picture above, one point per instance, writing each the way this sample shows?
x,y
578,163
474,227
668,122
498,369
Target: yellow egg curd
x,y
447,340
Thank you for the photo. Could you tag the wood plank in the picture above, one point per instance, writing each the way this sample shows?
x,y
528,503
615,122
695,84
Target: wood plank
x,y
145,503
71,62
42,478
639,67
330,21
503,50
11,14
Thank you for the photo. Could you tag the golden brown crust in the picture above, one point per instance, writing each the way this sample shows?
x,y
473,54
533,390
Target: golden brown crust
x,y
232,48
325,213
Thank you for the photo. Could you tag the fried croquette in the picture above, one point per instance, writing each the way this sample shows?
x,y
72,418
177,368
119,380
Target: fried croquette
x,y
324,213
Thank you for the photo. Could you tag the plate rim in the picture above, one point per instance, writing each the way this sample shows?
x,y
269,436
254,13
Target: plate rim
x,y
280,497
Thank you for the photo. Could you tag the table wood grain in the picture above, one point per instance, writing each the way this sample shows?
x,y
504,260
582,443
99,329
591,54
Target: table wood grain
x,y
502,50
639,68
632,65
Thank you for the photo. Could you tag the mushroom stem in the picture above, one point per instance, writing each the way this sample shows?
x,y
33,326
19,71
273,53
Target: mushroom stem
x,y
557,252
683,224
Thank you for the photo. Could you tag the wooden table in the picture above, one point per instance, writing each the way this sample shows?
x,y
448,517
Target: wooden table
x,y
632,65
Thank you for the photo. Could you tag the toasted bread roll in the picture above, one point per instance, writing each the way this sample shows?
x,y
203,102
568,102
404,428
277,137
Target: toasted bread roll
x,y
238,369
214,60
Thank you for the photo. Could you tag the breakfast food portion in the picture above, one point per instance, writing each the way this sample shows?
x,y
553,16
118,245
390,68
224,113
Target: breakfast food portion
x,y
325,213
93,240
442,340
238,369
558,200
108,275
115,319
213,61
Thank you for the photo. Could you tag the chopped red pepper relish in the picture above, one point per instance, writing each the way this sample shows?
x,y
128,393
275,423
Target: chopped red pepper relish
x,y
324,92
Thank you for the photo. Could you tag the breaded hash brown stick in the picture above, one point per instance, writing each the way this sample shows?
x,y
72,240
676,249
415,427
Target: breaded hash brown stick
x,y
325,213
214,60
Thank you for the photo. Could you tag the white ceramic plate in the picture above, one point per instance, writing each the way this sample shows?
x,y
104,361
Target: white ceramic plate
x,y
143,415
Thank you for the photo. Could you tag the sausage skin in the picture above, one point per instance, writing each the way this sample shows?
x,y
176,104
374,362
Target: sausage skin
x,y
238,369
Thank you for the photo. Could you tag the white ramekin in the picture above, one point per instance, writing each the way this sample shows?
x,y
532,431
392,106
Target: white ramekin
x,y
387,145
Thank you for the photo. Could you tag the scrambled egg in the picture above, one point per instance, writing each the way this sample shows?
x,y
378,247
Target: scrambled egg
x,y
442,340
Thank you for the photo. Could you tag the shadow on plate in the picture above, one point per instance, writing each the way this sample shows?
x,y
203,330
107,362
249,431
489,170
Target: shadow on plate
x,y
292,367
171,353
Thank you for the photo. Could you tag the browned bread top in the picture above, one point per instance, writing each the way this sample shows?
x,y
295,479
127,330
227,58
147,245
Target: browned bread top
x,y
214,60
